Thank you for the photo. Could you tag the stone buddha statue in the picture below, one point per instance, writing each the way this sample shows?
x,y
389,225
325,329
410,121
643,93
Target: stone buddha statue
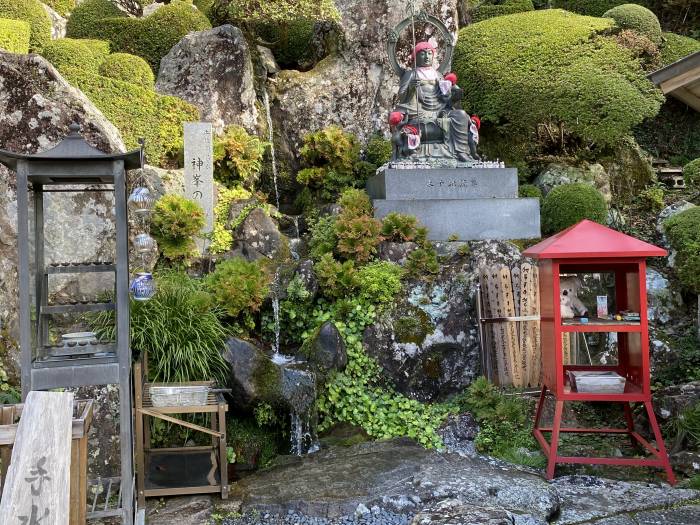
x,y
428,122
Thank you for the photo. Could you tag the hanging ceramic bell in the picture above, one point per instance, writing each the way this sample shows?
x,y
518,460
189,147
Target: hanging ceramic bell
x,y
144,243
143,287
141,200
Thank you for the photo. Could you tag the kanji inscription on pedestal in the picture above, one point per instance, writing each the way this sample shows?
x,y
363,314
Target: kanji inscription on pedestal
x,y
199,170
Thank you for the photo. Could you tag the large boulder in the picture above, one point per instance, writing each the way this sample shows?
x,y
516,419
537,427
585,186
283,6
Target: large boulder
x,y
213,70
354,88
592,174
326,350
428,346
259,236
255,379
457,512
664,304
58,23
36,107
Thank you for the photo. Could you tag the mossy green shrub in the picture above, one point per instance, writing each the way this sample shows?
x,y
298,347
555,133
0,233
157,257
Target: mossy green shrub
x,y
222,236
530,190
176,222
32,12
422,263
379,282
85,20
338,279
239,287
489,9
62,7
567,204
128,68
691,174
251,11
378,150
151,37
14,35
588,7
238,157
67,53
138,112
178,328
524,71
683,232
637,18
357,231
400,227
329,157
674,47
643,49
323,239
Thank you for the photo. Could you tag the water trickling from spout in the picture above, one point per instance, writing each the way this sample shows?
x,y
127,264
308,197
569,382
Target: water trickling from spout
x,y
271,139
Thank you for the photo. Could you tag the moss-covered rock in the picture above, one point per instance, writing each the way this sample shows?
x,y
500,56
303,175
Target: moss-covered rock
x,y
490,9
128,68
85,20
14,35
138,112
62,7
33,12
552,67
568,204
66,53
530,190
150,38
637,18
556,174
674,47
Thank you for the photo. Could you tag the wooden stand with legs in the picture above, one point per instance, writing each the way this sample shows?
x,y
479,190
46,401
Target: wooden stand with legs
x,y
146,457
589,248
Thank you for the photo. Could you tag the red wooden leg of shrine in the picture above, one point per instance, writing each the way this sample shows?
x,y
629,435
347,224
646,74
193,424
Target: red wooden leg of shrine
x,y
659,456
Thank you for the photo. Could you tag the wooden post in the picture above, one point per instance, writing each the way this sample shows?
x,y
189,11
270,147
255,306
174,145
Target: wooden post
x,y
37,488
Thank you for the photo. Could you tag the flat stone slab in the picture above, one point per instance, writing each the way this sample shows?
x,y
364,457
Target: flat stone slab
x,y
689,515
470,219
587,498
397,475
444,183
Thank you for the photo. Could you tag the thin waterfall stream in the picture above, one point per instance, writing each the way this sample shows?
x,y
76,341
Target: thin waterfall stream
x,y
271,139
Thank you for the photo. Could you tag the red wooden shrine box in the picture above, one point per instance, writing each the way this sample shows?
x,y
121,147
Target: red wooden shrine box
x,y
589,247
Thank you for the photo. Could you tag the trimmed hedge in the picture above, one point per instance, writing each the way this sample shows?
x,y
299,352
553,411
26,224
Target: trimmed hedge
x,y
151,38
589,7
568,204
85,21
128,68
66,53
508,7
138,112
683,232
530,191
552,66
14,35
276,11
675,47
30,11
637,18
691,174
62,7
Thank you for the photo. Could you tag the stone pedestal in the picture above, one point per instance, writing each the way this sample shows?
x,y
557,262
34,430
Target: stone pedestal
x,y
463,203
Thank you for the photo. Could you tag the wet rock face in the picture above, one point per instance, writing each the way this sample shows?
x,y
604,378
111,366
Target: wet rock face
x,y
428,344
326,350
355,88
212,70
36,107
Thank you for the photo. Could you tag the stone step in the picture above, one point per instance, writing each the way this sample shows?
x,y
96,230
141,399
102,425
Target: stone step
x,y
470,219
444,183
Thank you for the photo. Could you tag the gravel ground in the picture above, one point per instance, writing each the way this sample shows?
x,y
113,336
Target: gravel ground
x,y
362,516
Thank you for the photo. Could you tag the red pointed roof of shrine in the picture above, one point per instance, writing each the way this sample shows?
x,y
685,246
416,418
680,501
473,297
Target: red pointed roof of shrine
x,y
587,240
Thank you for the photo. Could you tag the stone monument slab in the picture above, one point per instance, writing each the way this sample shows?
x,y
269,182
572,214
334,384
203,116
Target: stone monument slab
x,y
470,219
199,169
444,183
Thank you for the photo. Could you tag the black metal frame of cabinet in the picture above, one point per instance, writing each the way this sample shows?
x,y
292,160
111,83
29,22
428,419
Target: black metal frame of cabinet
x,y
76,164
